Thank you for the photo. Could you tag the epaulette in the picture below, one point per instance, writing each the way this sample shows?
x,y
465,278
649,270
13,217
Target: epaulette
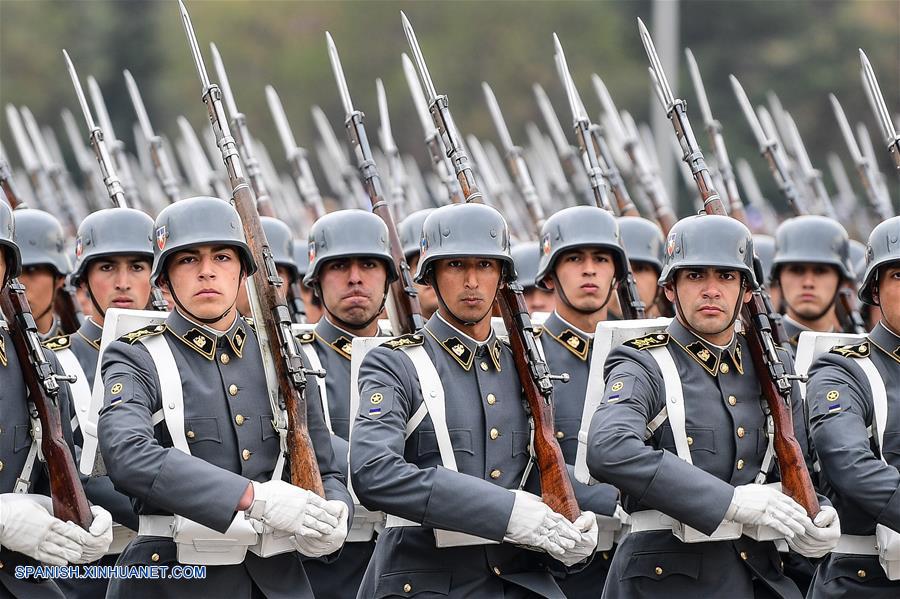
x,y
648,342
408,340
250,323
857,350
134,336
307,337
57,343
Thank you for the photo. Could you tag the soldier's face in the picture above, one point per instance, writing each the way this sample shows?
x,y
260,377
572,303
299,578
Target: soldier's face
x,y
707,299
3,264
808,289
120,282
647,278
427,298
888,296
539,300
206,279
41,284
586,275
353,288
468,286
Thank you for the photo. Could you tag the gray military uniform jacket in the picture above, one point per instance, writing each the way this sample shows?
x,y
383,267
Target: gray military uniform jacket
x,y
15,441
334,345
568,349
865,491
228,426
726,429
489,432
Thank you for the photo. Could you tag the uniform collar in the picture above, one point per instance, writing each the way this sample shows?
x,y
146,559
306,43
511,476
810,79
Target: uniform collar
x,y
568,335
55,330
3,358
715,360
335,337
91,332
460,346
203,340
885,340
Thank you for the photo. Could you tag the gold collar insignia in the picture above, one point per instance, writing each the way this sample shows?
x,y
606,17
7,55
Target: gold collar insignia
x,y
573,342
343,346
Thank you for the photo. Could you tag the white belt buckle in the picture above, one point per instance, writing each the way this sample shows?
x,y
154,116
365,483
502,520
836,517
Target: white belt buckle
x,y
727,531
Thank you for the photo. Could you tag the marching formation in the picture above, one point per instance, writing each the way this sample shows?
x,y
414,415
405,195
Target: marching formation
x,y
538,382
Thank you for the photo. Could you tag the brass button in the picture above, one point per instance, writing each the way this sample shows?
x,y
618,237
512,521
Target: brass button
x,y
491,399
1,465
658,570
495,474
496,570
690,440
732,400
246,454
494,434
723,368
1,565
232,390
560,434
224,358
740,464
154,557
741,432
190,434
407,588
484,366
605,555
239,419
744,555
861,573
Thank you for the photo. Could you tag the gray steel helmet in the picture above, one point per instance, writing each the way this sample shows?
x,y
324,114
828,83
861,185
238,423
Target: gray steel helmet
x,y
348,234
579,227
708,241
281,242
7,240
410,231
526,256
112,232
301,258
812,239
855,256
464,231
883,248
41,240
764,246
642,239
201,220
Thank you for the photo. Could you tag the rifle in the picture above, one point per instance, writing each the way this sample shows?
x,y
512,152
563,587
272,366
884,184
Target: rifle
x,y
399,182
812,176
868,150
882,115
162,166
406,314
88,175
776,386
544,156
108,171
556,487
277,343
714,131
347,182
498,192
599,165
29,159
296,157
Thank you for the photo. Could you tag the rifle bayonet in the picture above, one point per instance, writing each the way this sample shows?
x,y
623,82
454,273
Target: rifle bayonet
x,y
115,145
879,107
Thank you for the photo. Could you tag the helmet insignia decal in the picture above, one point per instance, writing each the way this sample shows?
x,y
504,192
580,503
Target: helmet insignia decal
x,y
79,246
670,245
545,245
162,235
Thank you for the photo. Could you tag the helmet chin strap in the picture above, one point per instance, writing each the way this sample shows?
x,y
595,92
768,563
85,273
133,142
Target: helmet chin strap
x,y
565,299
90,293
207,320
349,325
734,314
443,304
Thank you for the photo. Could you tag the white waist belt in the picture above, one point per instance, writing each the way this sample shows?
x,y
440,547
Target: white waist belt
x,y
156,526
857,545
442,538
651,520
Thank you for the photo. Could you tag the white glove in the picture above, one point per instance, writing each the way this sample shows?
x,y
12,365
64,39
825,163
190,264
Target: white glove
x,y
821,535
283,506
95,542
27,527
586,524
327,543
763,505
536,526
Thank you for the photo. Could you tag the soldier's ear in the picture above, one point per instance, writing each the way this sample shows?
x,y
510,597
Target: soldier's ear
x,y
669,290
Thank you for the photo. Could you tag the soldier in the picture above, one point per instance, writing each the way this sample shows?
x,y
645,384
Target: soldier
x,y
582,261
410,232
852,390
764,246
449,465
526,256
311,303
350,270
643,242
45,265
215,462
113,254
278,234
701,466
29,533
810,266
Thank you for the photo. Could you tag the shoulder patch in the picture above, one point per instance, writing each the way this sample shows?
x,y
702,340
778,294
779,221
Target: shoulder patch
x,y
857,350
408,340
648,342
57,343
134,336
307,337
